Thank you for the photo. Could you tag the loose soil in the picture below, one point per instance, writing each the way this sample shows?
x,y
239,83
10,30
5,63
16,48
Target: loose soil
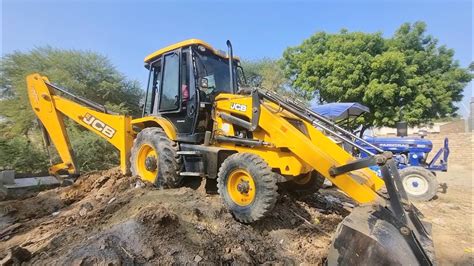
x,y
110,219
106,218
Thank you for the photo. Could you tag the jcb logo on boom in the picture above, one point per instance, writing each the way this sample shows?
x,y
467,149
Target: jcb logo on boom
x,y
238,107
99,125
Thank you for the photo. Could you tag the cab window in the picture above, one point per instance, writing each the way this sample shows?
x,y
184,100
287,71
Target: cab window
x,y
185,91
169,99
215,70
153,87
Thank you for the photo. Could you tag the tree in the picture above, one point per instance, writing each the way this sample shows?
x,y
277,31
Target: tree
x,y
84,73
18,153
406,77
266,73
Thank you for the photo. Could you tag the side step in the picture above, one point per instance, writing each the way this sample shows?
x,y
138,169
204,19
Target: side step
x,y
192,158
191,174
189,153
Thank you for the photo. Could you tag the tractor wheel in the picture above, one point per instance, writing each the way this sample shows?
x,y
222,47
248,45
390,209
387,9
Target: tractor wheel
x,y
305,184
154,158
247,186
419,183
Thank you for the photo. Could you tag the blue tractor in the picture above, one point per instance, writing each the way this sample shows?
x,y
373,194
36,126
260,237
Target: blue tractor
x,y
418,175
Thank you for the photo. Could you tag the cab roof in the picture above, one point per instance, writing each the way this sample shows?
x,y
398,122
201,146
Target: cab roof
x,y
188,42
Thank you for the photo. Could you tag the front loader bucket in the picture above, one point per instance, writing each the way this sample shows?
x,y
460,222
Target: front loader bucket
x,y
387,234
367,237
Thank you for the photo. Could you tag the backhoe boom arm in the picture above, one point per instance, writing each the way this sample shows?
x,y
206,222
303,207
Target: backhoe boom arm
x,y
51,110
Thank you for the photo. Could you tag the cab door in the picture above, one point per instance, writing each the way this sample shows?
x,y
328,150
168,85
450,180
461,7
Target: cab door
x,y
177,99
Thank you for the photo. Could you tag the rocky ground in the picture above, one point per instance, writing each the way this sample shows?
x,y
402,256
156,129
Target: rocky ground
x,y
106,218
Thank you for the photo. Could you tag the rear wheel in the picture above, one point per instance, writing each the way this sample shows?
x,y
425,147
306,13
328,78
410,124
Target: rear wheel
x,y
419,183
247,186
154,158
305,184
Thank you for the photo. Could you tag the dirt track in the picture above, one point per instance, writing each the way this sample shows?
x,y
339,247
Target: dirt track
x,y
452,217
107,218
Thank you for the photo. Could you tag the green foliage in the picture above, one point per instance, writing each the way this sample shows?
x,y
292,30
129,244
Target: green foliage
x,y
84,73
406,77
91,152
266,73
19,154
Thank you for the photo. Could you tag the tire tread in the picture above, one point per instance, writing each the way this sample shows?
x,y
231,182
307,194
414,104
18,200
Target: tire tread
x,y
264,178
170,163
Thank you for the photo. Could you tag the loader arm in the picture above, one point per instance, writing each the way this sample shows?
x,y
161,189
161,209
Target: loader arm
x,y
313,148
51,110
389,226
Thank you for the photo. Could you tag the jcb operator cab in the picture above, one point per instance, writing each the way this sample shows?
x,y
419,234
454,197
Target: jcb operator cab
x,y
184,79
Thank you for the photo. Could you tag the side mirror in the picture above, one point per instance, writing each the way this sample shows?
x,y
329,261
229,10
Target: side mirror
x,y
204,83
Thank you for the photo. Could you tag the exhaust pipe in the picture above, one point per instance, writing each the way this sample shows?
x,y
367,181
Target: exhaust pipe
x,y
230,54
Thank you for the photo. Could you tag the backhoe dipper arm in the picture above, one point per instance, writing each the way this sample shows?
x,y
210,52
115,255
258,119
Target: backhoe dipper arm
x,y
51,109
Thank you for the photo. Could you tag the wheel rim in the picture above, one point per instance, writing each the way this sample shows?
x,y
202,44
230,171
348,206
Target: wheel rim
x,y
303,179
241,187
415,184
144,163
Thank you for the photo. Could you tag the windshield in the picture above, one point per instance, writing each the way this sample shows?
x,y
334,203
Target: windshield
x,y
215,69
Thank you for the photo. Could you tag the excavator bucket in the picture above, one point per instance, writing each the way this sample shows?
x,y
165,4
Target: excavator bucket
x,y
384,235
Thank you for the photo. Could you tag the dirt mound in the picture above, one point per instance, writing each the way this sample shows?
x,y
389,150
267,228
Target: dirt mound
x,y
109,219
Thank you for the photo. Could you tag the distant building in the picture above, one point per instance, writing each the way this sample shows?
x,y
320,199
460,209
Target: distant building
x,y
456,126
390,131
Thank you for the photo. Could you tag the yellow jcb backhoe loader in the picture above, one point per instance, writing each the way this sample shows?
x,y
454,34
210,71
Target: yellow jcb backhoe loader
x,y
200,120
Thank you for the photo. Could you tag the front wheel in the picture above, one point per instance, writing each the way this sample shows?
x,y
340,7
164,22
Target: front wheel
x,y
419,183
247,186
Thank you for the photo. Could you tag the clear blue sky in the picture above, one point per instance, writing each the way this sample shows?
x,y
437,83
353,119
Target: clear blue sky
x,y
126,31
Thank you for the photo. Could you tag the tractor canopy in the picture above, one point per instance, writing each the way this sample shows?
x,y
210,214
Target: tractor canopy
x,y
340,111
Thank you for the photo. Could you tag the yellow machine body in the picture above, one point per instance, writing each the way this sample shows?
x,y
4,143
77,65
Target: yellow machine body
x,y
291,152
248,142
188,42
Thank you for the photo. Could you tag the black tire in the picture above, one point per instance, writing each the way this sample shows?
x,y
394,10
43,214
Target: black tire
x,y
169,163
419,183
265,182
303,187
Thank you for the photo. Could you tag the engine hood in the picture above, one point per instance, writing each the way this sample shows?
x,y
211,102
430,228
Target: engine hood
x,y
399,144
